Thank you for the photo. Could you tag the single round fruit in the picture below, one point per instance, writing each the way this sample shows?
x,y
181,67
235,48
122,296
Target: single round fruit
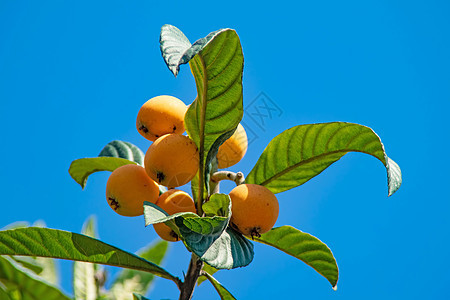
x,y
233,149
161,115
127,189
172,160
254,209
173,201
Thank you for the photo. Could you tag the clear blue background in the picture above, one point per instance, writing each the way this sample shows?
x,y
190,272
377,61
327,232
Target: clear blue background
x,y
73,75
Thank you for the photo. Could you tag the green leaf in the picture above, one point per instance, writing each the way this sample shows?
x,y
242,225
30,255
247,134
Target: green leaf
x,y
198,233
305,247
124,150
218,205
84,283
207,237
3,294
217,68
42,266
139,297
302,152
129,281
173,44
221,290
72,246
27,285
80,169
208,269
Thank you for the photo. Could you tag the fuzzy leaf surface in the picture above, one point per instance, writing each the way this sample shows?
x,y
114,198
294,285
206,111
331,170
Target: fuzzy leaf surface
x,y
207,237
54,243
221,290
173,45
124,150
80,169
302,152
25,283
305,247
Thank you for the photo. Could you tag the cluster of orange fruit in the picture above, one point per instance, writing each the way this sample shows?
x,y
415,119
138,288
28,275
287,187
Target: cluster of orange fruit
x,y
172,160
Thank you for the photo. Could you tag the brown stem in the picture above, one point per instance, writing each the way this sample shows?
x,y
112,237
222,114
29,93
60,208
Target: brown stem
x,y
187,288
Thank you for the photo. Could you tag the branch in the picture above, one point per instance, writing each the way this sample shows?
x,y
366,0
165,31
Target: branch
x,y
238,177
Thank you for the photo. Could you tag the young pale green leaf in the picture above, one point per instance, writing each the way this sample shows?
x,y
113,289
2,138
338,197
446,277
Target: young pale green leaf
x,y
72,246
123,150
218,205
28,285
80,169
217,64
305,247
138,280
302,152
221,290
173,44
84,283
208,269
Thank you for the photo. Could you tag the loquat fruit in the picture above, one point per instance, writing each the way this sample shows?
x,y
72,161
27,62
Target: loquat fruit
x,y
128,187
173,201
254,209
172,160
161,115
233,149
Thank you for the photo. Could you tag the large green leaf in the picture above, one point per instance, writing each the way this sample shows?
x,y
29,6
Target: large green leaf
x,y
123,150
43,266
80,169
221,290
131,281
217,63
67,245
25,284
84,283
302,152
305,247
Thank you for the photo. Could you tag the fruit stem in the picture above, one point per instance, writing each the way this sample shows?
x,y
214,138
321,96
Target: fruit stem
x,y
188,286
238,177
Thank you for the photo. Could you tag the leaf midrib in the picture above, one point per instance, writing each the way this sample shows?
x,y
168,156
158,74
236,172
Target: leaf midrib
x,y
312,159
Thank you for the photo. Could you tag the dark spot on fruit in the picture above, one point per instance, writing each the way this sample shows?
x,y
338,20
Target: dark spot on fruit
x,y
114,204
160,176
255,232
174,235
156,135
174,128
143,129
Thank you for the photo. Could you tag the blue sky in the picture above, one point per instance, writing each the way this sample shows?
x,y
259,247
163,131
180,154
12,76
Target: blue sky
x,y
73,76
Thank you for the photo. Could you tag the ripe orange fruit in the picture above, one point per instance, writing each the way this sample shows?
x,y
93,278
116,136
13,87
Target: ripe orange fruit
x,y
172,160
233,149
128,187
254,209
173,201
161,115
